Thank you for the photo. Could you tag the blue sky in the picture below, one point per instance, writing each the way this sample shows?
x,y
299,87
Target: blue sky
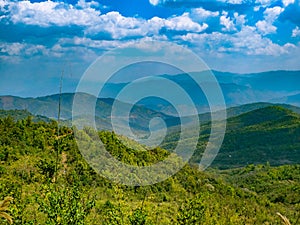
x,y
40,38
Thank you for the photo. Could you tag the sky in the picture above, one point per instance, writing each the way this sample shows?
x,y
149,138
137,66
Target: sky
x,y
40,40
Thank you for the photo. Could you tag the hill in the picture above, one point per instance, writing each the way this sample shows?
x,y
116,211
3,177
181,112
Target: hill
x,y
22,114
269,134
265,135
230,112
239,89
51,182
290,99
48,106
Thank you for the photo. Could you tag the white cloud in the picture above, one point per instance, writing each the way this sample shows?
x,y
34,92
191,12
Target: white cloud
x,y
202,14
265,3
245,42
271,14
231,24
83,4
227,22
255,44
117,26
296,32
287,2
24,49
265,28
11,48
2,4
234,1
154,2
239,19
84,14
184,23
237,36
120,27
53,13
87,42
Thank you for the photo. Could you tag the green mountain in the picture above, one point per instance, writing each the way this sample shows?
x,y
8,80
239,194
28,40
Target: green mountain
x,y
256,133
48,106
269,134
22,114
231,112
51,183
140,115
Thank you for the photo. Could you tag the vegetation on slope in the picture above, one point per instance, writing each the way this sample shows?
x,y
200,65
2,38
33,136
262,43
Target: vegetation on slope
x,y
66,190
270,134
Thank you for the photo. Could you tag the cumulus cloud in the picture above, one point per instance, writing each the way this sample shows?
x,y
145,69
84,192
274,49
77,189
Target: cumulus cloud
x,y
111,25
117,26
154,2
270,15
11,49
231,24
50,13
184,23
21,49
227,22
265,28
227,31
246,41
255,44
287,2
296,32
263,3
120,27
203,14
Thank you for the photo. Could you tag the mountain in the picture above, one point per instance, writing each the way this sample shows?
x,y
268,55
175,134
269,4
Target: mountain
x,y
238,89
22,114
50,181
276,81
48,106
291,99
232,112
270,134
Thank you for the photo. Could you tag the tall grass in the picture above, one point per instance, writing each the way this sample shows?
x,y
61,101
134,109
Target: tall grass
x,y
284,219
4,208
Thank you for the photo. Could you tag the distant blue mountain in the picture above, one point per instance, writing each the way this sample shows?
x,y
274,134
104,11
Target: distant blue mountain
x,y
280,87
291,99
238,89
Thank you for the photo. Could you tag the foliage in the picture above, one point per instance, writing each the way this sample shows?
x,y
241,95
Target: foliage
x,y
192,211
111,214
247,195
270,134
138,217
64,205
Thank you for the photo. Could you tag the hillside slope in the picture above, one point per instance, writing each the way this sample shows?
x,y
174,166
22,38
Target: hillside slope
x,y
50,188
270,134
48,106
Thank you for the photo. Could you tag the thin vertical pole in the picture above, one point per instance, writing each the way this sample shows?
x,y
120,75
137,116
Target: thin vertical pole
x,y
58,122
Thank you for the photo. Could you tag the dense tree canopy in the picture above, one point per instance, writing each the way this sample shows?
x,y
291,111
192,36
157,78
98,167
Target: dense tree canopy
x,y
51,183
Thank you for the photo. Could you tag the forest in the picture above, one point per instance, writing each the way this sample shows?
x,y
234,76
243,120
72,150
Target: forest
x,y
44,179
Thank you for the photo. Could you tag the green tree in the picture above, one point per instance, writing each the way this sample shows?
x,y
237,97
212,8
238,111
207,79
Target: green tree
x,y
65,205
192,211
